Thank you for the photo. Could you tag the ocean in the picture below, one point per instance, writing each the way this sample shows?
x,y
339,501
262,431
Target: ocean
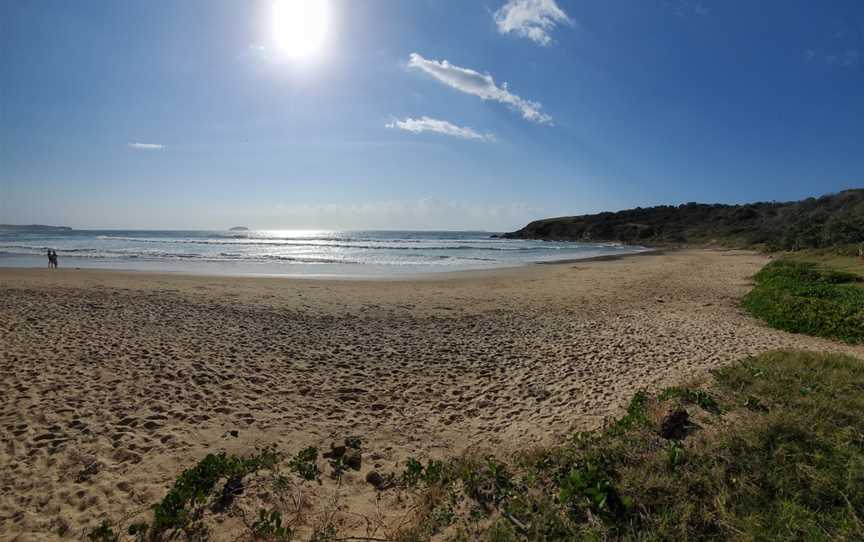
x,y
289,252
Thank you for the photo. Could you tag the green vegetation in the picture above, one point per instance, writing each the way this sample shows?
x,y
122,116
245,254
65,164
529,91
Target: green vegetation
x,y
772,449
841,259
305,464
803,297
415,472
835,220
215,481
792,469
699,398
269,527
103,533
184,504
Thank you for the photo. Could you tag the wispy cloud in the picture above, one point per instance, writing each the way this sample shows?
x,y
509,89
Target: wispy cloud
x,y
479,84
532,19
688,8
850,58
427,124
844,47
146,146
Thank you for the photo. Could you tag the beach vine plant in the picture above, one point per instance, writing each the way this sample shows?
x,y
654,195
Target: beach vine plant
x,y
214,481
305,464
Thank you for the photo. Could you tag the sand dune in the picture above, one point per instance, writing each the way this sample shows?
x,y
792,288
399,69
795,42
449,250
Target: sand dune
x,y
114,382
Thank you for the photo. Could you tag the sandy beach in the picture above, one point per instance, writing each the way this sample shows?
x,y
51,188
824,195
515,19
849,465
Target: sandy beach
x,y
143,374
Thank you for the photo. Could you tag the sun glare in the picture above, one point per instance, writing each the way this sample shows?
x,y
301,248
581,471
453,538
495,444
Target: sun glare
x,y
300,26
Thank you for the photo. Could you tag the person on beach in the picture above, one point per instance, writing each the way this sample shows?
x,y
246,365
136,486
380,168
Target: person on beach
x,y
50,259
54,254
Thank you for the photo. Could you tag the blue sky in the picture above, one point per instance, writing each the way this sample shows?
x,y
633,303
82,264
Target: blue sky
x,y
165,114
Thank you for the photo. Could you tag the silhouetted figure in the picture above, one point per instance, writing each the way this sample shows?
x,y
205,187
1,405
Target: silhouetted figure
x,y
50,259
55,259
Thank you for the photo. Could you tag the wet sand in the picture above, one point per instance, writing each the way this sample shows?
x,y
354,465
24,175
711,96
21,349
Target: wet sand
x,y
143,374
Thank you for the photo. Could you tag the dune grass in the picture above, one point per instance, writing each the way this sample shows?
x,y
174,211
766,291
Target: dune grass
x,y
777,455
842,258
772,448
806,297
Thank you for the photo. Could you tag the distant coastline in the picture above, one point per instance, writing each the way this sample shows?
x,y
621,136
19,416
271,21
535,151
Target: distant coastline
x,y
32,228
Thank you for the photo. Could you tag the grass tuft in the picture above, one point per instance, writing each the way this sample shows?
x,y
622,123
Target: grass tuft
x,y
700,398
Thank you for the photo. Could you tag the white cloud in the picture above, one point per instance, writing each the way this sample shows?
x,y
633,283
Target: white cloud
x,y
479,84
146,146
532,19
427,124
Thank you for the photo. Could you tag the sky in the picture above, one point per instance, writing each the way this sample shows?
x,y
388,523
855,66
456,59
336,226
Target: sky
x,y
421,114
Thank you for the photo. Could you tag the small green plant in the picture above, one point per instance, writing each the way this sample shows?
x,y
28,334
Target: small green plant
x,y
443,515
139,531
754,404
489,483
305,464
281,483
675,455
499,474
413,472
700,398
590,486
268,527
637,414
434,471
338,465
103,533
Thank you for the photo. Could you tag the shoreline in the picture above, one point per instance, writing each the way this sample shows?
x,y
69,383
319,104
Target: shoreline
x,y
374,277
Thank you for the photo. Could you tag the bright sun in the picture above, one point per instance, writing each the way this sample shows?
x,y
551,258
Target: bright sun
x,y
300,26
